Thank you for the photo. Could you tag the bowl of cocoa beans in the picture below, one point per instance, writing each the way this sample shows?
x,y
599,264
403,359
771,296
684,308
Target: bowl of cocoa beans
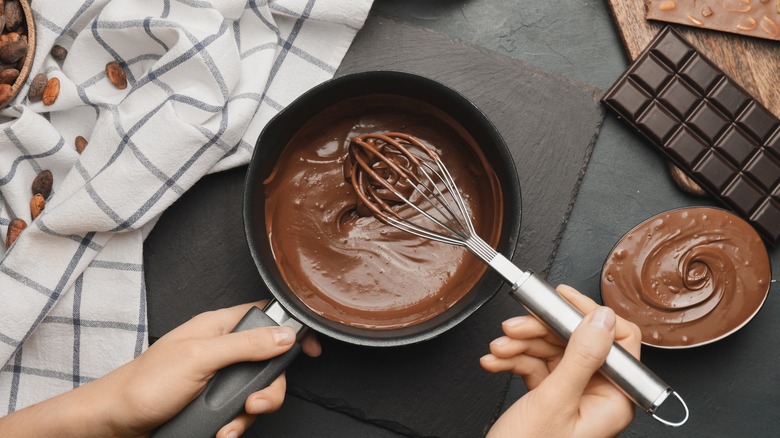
x,y
17,47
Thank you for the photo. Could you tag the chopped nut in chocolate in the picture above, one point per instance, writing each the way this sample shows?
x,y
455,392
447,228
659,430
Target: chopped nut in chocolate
x,y
51,91
43,183
116,75
757,18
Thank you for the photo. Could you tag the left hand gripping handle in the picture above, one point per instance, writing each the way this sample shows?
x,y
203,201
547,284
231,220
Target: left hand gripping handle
x,y
225,394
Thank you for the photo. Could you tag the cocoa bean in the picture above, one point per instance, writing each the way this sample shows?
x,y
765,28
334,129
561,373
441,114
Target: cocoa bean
x,y
13,15
51,91
2,21
9,75
5,94
116,75
43,183
36,87
37,204
81,143
13,51
15,228
58,52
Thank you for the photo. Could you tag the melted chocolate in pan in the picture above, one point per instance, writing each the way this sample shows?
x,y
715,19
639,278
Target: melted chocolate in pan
x,y
354,269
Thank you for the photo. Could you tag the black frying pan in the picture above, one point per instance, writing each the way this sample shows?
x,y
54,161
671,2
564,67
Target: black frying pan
x,y
224,396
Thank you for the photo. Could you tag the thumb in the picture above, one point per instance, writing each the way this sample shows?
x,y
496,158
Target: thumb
x,y
586,352
259,343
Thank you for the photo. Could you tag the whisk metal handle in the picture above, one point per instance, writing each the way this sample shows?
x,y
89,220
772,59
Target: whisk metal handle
x,y
636,380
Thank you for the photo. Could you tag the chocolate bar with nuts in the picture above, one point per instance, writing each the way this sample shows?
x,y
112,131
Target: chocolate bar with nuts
x,y
707,124
758,18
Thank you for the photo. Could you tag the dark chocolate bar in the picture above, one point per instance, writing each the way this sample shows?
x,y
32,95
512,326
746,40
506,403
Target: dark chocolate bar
x,y
758,18
713,129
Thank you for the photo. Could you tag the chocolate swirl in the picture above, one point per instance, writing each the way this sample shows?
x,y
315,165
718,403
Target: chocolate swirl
x,y
688,276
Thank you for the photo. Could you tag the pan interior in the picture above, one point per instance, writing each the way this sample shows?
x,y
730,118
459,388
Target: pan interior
x,y
346,265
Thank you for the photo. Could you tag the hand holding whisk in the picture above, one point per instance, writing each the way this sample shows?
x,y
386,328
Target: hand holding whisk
x,y
392,170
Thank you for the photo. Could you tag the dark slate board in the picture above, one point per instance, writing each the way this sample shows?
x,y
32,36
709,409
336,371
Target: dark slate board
x,y
196,256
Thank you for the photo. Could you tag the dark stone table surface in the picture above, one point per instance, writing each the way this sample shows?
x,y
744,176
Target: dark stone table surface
x,y
731,386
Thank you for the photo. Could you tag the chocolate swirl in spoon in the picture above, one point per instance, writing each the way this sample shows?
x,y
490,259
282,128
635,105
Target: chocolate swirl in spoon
x,y
688,276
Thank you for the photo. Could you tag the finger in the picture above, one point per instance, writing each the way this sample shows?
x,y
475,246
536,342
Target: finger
x,y
250,345
527,327
213,323
524,327
237,427
627,334
310,345
532,369
261,402
584,355
506,347
578,299
268,399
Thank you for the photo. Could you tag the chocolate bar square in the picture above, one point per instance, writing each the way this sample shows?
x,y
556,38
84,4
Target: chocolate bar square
x,y
708,125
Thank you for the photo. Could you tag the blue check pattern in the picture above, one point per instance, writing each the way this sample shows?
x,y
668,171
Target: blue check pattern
x,y
204,77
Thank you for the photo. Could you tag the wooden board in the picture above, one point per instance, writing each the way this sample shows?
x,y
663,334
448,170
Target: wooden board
x,y
753,62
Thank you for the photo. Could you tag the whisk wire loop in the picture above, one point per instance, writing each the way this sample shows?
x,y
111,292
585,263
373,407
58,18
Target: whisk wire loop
x,y
438,197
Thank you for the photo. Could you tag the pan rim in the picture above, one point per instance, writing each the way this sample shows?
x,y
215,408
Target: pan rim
x,y
511,193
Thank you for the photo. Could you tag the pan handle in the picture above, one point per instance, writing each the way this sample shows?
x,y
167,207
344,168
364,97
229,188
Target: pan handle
x,y
224,396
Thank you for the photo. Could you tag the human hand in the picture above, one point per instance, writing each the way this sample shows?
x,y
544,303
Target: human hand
x,y
172,372
146,392
566,396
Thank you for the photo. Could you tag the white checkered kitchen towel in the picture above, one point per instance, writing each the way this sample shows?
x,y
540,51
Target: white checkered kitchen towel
x,y
204,78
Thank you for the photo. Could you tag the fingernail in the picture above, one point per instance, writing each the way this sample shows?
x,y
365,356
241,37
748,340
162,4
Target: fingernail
x,y
488,358
603,318
516,321
260,405
232,434
499,341
283,335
